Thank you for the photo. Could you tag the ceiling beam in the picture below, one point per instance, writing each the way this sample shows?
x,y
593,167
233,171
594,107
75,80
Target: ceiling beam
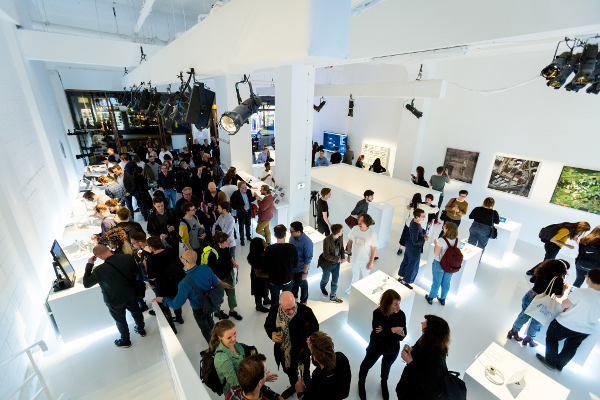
x,y
144,12
426,89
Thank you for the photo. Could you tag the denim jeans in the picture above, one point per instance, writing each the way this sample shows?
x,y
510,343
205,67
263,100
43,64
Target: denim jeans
x,y
534,326
334,271
409,268
440,278
479,234
277,289
552,250
371,358
456,221
579,277
118,314
205,323
171,194
300,285
556,333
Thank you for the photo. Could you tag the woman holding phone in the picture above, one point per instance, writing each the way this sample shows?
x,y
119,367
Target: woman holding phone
x,y
389,329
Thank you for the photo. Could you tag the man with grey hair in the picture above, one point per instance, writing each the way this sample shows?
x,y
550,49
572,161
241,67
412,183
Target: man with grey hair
x,y
289,325
116,277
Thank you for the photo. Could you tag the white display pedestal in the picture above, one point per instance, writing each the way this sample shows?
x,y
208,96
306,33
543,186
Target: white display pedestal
x,y
504,244
462,279
363,301
538,385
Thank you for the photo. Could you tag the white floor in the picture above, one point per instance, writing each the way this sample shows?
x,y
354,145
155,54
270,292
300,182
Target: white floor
x,y
482,316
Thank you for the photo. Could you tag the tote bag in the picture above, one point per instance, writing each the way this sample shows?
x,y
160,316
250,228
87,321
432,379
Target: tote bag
x,y
542,306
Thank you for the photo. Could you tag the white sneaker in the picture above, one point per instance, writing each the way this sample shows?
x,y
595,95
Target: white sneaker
x,y
347,291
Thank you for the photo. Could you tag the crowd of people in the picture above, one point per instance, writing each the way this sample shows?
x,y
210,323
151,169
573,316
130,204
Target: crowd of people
x,y
203,221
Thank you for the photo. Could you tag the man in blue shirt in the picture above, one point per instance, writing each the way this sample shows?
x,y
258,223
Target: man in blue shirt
x,y
304,246
322,160
263,156
205,279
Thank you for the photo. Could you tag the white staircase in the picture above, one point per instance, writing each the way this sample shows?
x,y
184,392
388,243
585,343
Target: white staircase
x,y
153,383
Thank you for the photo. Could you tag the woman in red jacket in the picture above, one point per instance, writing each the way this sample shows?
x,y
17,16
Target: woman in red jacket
x,y
265,213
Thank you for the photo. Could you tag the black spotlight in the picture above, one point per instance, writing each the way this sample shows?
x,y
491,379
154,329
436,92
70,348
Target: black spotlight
x,y
154,103
556,65
564,73
594,88
411,107
320,106
200,106
351,107
175,116
232,121
587,65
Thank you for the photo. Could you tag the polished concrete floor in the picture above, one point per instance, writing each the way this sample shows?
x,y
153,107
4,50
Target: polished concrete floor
x,y
478,318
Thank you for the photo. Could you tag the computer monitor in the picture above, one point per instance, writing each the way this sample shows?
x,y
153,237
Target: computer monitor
x,y
330,140
63,262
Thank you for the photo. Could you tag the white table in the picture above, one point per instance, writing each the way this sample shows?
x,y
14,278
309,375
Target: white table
x,y
462,279
504,244
538,385
363,301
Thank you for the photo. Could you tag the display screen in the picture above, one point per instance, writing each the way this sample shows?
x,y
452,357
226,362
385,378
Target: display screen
x,y
61,259
330,140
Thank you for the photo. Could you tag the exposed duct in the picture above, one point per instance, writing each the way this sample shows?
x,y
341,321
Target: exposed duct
x,y
364,6
144,12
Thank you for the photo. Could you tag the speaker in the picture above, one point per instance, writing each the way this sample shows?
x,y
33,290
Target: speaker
x,y
200,106
144,102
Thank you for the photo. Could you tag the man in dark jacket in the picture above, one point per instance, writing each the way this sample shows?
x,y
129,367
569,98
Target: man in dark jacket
x,y
116,277
332,377
187,196
164,223
362,207
289,324
241,201
330,260
127,181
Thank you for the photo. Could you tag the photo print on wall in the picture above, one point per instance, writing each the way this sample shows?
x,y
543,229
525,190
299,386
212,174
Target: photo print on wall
x,y
513,175
461,164
578,188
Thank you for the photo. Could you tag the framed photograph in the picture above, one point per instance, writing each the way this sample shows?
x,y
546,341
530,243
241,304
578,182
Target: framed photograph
x,y
513,175
461,164
578,188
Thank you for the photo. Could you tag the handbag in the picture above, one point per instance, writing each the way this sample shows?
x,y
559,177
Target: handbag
x,y
542,306
451,387
211,300
443,214
351,222
494,231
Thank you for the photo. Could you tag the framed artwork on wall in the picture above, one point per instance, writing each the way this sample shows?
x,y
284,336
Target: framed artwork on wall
x,y
578,188
513,175
461,164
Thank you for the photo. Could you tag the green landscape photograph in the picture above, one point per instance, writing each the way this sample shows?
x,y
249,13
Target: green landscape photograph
x,y
578,188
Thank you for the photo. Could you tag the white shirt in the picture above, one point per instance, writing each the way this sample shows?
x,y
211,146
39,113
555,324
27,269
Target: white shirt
x,y
161,155
141,164
442,243
583,316
122,164
361,245
228,190
268,181
428,208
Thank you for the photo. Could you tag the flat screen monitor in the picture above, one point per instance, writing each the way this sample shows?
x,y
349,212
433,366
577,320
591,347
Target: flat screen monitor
x,y
330,140
59,256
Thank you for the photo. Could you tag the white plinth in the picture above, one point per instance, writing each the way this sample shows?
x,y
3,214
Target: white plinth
x,y
462,279
363,301
504,244
538,384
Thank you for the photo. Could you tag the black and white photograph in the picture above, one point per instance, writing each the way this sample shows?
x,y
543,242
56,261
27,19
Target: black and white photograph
x,y
461,164
513,175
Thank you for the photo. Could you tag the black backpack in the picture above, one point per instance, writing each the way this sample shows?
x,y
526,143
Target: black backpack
x,y
588,257
451,387
549,232
208,373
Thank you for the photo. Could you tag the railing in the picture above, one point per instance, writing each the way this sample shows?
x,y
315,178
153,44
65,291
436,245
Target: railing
x,y
185,381
38,373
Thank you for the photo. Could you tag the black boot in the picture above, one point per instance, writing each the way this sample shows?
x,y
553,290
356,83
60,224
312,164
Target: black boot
x,y
384,391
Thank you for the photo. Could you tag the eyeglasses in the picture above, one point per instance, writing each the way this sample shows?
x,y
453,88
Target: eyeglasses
x,y
183,259
287,310
291,231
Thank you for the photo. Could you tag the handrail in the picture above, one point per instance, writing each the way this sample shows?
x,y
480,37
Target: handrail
x,y
44,347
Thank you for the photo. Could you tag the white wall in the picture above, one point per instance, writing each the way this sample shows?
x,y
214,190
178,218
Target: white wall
x,y
533,121
89,79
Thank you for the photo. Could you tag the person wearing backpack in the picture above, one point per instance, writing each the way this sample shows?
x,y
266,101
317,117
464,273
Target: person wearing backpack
x,y
588,257
544,275
425,362
204,279
448,257
191,231
555,237
416,239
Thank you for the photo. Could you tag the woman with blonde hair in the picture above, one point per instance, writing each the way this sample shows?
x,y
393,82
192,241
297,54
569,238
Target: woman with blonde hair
x,y
389,329
588,257
441,277
484,218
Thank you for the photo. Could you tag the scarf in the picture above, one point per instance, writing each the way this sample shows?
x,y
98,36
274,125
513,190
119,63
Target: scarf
x,y
283,322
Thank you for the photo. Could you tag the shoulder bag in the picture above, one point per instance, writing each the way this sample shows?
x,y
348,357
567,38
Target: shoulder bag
x,y
139,287
451,387
494,231
443,214
211,300
542,306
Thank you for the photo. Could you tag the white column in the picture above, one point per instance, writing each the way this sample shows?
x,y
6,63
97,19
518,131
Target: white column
x,y
294,95
236,150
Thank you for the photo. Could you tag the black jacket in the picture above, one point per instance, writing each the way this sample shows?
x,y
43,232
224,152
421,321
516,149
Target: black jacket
x,y
166,182
336,158
237,201
301,327
141,184
334,385
178,205
155,228
128,183
115,288
422,377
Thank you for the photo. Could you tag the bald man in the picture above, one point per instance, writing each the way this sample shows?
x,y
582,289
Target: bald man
x,y
289,325
203,278
116,277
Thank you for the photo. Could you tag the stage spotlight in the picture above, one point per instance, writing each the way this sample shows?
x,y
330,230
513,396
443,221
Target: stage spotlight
x,y
411,107
564,73
351,107
587,65
175,116
594,88
232,121
154,103
556,65
200,105
320,106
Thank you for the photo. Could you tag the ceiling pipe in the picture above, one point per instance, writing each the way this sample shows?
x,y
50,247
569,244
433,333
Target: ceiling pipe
x,y
363,7
144,12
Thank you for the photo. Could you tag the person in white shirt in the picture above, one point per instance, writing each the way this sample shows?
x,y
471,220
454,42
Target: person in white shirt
x,y
578,319
228,188
267,175
362,245
415,204
164,150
